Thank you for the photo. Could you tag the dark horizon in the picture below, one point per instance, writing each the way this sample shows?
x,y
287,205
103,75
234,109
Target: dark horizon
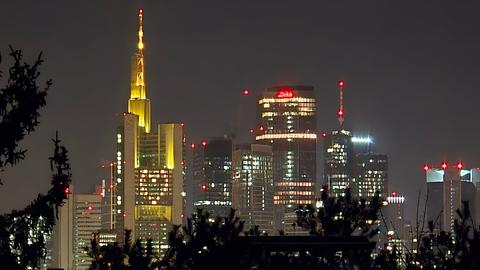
x,y
409,69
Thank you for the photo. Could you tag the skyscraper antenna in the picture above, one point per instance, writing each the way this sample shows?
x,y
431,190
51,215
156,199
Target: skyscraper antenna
x,y
341,111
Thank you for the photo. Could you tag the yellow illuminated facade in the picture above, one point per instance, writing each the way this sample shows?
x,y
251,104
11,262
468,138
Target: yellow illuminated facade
x,y
138,103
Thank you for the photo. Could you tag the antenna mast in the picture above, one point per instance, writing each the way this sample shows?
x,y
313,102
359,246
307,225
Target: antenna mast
x,y
341,111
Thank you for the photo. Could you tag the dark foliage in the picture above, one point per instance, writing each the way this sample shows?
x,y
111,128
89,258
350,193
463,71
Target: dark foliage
x,y
341,216
122,257
22,232
204,243
20,102
458,249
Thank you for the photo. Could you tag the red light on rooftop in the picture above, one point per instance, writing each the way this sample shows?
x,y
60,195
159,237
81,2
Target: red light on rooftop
x,y
251,130
204,187
89,208
324,134
394,193
285,92
204,143
460,165
182,124
261,128
140,11
426,167
341,83
111,164
246,92
444,165
192,145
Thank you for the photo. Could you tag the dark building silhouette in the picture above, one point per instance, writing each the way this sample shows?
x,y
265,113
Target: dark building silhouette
x,y
212,176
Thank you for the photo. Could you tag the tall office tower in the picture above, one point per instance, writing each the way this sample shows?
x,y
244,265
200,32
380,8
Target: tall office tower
x,y
252,185
212,176
124,185
287,122
62,237
86,222
447,187
371,175
396,226
338,161
395,219
138,103
159,184
172,157
338,154
79,218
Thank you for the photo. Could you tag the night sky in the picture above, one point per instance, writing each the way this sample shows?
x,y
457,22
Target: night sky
x,y
411,71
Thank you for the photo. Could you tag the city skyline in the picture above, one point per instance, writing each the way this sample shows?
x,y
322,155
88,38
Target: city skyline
x,y
67,101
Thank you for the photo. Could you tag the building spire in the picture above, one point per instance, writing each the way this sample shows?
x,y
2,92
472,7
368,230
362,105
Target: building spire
x,y
140,66
139,104
341,111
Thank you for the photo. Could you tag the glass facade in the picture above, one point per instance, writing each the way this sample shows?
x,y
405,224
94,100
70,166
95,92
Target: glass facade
x,y
287,121
212,176
252,186
338,161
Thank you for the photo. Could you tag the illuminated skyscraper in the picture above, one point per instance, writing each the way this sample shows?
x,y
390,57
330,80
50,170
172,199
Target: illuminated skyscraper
x,y
125,164
159,184
397,234
287,122
79,218
146,191
371,175
252,186
338,161
212,176
448,186
86,222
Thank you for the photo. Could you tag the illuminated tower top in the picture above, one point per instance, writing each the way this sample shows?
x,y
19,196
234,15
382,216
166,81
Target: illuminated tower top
x,y
138,81
138,103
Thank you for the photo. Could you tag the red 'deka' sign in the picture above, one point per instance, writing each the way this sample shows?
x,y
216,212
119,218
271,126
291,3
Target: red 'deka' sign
x,y
285,92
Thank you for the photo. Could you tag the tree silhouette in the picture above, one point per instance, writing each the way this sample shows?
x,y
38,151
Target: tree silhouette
x,y
121,257
204,243
22,232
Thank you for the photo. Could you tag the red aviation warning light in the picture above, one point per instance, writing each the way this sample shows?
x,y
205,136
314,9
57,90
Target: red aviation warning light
x,y
459,165
182,124
192,145
261,128
444,165
140,11
324,134
246,92
394,193
426,167
89,208
251,130
341,83
204,187
204,143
